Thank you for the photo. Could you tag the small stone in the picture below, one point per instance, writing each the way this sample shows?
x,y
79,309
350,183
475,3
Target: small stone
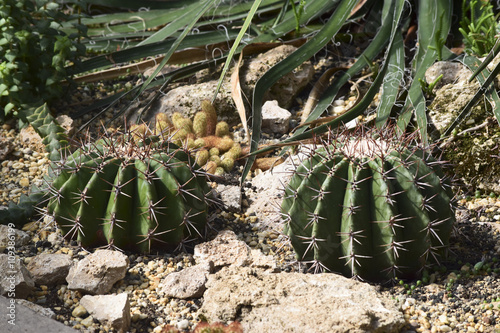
x,y
50,268
187,283
183,324
96,273
87,322
79,311
113,310
24,182
443,319
274,118
21,238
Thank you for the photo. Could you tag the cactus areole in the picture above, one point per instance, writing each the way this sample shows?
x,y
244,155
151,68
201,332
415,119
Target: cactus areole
x,y
373,209
120,194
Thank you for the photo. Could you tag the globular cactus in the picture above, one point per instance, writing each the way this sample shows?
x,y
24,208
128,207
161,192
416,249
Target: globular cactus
x,y
120,194
371,208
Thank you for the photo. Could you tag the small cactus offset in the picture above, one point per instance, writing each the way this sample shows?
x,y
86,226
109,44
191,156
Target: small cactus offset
x,y
202,136
371,208
119,194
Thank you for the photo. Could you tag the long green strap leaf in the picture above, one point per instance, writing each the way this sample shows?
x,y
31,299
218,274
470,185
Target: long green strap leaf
x,y
369,54
434,22
306,51
186,15
392,83
236,44
396,8
204,6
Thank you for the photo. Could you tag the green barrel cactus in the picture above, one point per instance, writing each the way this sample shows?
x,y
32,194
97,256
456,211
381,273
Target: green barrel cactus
x,y
129,195
372,209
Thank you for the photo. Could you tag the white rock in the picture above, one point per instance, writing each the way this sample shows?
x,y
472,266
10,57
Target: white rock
x,y
226,249
96,273
294,302
113,310
453,73
50,268
274,118
230,196
187,283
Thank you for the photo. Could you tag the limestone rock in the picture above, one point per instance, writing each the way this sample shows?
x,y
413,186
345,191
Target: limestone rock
x,y
452,93
187,283
96,273
226,249
453,73
274,118
30,138
11,237
230,196
296,302
15,279
111,309
264,195
50,269
287,87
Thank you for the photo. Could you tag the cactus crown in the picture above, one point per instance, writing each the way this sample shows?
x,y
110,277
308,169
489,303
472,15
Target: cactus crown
x,y
370,206
120,193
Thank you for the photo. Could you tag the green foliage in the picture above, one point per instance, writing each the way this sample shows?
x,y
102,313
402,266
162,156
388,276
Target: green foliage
x,y
428,88
123,195
371,208
33,54
478,26
20,213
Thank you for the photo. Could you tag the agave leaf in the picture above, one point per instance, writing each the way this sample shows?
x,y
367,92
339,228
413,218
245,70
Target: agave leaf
x,y
190,13
136,5
154,49
306,51
392,83
434,21
236,45
371,51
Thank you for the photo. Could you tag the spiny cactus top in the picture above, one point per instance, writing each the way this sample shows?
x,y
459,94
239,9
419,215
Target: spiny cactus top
x,y
132,196
369,208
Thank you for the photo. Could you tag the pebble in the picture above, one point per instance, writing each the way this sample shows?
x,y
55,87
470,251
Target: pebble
x,y
79,311
88,322
183,324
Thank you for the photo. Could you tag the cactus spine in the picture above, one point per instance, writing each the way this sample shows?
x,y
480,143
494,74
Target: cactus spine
x,y
368,208
119,194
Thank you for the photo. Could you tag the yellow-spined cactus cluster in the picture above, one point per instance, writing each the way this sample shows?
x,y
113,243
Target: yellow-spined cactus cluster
x,y
211,141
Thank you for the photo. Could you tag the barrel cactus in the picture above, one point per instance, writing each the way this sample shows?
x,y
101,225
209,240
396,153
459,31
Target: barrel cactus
x,y
371,208
129,194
